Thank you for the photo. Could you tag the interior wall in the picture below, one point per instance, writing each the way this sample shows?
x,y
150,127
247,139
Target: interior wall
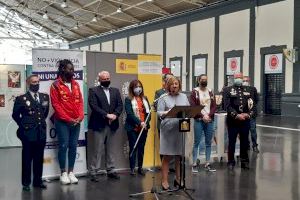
x,y
121,45
234,35
202,42
154,41
95,47
107,46
274,26
176,47
136,44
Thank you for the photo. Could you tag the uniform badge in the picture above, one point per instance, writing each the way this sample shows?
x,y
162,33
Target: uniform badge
x,y
28,103
45,103
250,103
233,92
246,93
24,98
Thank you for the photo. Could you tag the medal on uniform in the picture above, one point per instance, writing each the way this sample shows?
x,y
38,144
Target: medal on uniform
x,y
250,103
45,103
30,112
28,103
233,92
24,98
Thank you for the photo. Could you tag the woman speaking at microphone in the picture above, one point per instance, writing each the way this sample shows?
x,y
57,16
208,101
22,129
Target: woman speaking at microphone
x,y
171,138
137,109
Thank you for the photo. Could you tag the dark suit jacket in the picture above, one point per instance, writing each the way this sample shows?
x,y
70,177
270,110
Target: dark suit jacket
x,y
31,116
100,108
131,120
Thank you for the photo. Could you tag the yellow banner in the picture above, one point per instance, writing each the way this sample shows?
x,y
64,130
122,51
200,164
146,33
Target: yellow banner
x,y
126,66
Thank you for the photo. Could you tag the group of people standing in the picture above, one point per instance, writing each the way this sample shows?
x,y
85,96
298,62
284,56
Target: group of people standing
x,y
106,105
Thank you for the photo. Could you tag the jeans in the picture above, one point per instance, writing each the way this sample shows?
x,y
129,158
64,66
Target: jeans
x,y
132,137
200,129
68,139
253,132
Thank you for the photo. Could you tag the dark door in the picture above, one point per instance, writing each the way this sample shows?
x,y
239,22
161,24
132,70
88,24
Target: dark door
x,y
273,90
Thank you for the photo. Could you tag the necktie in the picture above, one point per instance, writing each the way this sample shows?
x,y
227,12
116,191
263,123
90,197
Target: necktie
x,y
36,97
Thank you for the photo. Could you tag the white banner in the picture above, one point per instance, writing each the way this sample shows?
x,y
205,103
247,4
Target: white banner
x,y
233,65
273,63
44,64
200,66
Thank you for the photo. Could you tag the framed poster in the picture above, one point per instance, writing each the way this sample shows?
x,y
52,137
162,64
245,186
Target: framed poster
x,y
176,65
199,64
273,63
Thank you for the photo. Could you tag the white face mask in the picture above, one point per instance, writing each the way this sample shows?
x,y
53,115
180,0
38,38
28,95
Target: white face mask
x,y
137,91
238,81
246,83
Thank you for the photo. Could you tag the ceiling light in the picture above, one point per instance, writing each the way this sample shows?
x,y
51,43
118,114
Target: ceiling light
x,y
94,19
64,4
45,16
119,10
149,0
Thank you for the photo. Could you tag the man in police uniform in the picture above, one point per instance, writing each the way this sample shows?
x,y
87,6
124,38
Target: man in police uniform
x,y
30,112
240,107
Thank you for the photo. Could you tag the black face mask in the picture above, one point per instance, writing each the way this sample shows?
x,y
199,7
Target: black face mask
x,y
105,83
69,75
203,83
34,88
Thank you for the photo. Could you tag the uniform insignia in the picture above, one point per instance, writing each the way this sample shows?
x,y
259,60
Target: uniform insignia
x,y
24,98
30,112
250,103
28,103
246,93
45,103
233,92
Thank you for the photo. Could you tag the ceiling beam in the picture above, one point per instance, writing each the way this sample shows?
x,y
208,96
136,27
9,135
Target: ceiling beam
x,y
33,21
137,7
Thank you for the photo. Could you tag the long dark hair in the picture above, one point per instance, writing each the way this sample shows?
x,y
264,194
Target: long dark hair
x,y
132,85
61,64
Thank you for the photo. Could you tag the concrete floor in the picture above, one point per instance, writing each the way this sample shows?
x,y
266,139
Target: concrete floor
x,y
274,174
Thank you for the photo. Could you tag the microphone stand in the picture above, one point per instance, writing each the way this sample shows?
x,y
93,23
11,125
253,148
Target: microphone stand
x,y
153,190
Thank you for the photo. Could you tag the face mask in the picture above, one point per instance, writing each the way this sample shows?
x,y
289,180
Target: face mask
x,y
105,83
238,81
34,88
137,91
69,75
245,83
203,83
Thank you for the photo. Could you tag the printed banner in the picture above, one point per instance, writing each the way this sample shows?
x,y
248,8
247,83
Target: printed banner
x,y
44,65
126,66
273,63
149,64
12,84
233,65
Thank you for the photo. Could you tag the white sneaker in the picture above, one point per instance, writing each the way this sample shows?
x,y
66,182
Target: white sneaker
x,y
64,179
73,178
195,169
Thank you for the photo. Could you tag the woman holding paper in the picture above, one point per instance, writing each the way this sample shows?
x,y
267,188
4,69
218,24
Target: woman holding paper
x,y
171,138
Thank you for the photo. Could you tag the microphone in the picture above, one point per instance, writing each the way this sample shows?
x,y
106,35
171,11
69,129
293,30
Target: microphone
x,y
162,96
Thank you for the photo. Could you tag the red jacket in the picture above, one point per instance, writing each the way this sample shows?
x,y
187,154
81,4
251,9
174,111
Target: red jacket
x,y
67,104
195,100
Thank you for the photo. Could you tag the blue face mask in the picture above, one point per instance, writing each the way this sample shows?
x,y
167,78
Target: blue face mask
x,y
238,81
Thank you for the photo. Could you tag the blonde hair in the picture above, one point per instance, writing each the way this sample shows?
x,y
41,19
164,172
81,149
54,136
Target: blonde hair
x,y
171,81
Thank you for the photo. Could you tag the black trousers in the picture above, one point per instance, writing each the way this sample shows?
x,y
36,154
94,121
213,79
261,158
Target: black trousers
x,y
132,138
32,152
240,128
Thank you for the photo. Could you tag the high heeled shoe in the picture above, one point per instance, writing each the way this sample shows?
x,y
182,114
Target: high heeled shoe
x,y
176,184
165,189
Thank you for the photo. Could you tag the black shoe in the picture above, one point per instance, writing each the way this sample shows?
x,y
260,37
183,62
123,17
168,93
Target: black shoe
x,y
94,178
26,188
165,189
42,186
113,175
141,172
171,170
245,165
176,184
255,149
132,172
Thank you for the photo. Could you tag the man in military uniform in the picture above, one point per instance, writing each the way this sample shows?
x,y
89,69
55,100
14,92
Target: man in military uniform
x,y
30,112
253,91
240,107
